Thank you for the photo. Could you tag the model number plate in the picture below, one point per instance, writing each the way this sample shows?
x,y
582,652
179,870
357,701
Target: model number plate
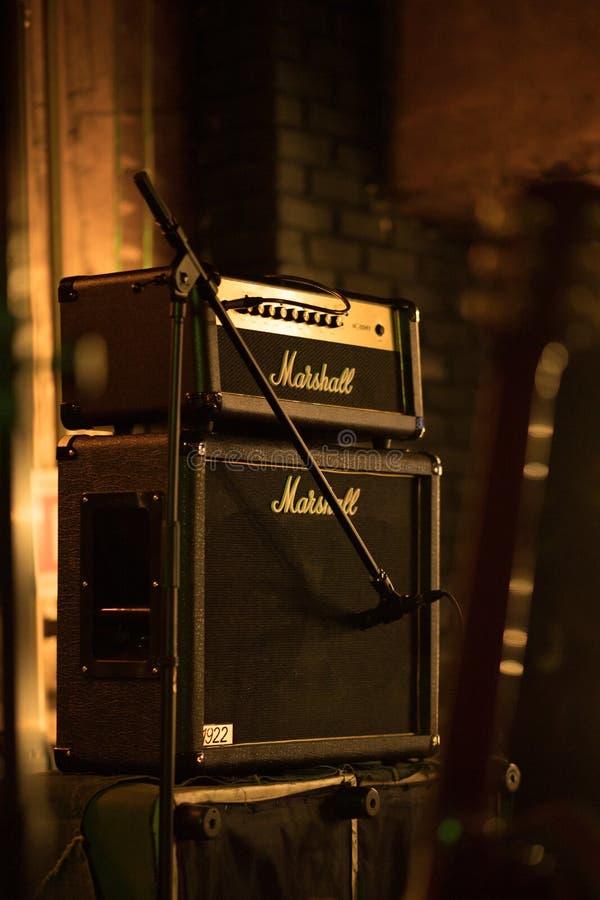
x,y
217,734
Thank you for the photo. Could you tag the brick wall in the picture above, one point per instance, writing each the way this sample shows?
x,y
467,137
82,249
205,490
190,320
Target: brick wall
x,y
291,109
293,149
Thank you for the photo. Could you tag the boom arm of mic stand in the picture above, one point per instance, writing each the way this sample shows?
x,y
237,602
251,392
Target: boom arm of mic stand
x,y
188,271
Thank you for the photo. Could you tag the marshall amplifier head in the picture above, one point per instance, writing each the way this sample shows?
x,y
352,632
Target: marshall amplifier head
x,y
272,671
357,369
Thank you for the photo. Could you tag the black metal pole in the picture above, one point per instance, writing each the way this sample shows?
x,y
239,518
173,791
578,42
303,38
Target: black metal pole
x,y
169,606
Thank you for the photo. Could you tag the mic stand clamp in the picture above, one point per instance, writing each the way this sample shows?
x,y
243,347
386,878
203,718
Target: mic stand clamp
x,y
392,606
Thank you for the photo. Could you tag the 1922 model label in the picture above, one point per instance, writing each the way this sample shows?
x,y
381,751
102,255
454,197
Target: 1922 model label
x,y
217,735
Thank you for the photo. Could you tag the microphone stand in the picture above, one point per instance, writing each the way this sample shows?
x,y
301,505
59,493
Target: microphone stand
x,y
186,272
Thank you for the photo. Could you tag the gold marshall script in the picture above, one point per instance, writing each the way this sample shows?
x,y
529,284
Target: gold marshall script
x,y
312,381
310,504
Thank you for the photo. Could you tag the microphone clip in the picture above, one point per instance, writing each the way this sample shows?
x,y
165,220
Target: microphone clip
x,y
392,605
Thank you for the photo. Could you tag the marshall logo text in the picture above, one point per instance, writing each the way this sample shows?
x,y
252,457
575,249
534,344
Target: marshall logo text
x,y
311,504
306,379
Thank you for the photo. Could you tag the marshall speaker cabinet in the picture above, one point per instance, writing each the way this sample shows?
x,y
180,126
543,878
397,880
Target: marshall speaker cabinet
x,y
358,370
272,668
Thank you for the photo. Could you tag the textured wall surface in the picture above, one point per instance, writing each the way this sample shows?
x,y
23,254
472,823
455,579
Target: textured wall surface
x,y
293,144
490,93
